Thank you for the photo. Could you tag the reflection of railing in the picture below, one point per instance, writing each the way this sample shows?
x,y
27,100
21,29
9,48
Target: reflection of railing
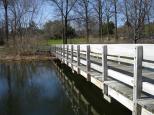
x,y
78,101
124,72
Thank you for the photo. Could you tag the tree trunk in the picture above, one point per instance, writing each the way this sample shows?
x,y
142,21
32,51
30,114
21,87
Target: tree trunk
x,y
100,19
127,19
108,34
149,27
1,35
6,22
66,23
87,21
63,29
66,29
116,33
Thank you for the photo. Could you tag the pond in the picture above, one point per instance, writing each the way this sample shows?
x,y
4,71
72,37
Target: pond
x,y
37,88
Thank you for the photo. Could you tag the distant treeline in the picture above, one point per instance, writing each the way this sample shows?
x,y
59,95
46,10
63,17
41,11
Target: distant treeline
x,y
103,19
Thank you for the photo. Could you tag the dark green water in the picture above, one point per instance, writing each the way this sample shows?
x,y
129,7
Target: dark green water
x,y
37,88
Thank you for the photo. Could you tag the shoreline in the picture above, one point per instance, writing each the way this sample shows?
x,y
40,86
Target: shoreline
x,y
7,58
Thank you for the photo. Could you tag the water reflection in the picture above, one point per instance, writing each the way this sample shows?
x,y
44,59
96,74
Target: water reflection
x,y
37,88
86,98
80,104
31,89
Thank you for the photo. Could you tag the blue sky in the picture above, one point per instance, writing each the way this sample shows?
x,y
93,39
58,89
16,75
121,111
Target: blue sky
x,y
46,13
49,13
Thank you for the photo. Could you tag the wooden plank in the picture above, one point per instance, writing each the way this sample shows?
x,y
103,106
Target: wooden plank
x,y
146,112
148,88
129,61
121,77
148,49
121,98
147,103
96,82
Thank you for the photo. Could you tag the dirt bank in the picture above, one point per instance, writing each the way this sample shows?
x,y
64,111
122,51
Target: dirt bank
x,y
26,57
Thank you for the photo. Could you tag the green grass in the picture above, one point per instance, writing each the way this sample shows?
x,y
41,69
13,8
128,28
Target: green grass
x,y
77,41
146,29
55,41
70,41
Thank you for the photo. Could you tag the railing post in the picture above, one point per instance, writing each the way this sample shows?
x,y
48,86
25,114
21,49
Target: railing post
x,y
67,53
63,53
119,59
78,58
105,73
137,88
56,51
72,57
88,63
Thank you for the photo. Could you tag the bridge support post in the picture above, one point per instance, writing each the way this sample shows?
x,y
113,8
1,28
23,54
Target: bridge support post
x,y
105,73
137,88
88,63
78,59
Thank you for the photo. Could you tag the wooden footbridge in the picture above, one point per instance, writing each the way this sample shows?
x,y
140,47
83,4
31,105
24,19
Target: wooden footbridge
x,y
123,72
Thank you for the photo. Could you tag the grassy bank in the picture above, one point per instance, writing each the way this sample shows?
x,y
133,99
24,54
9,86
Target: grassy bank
x,y
70,41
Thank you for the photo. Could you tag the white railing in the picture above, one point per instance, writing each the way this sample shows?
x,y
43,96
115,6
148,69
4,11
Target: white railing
x,y
96,57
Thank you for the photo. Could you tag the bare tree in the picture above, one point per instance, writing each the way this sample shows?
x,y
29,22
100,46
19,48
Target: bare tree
x,y
108,14
138,10
5,5
1,26
82,12
21,14
64,7
149,9
86,5
98,8
125,11
115,13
